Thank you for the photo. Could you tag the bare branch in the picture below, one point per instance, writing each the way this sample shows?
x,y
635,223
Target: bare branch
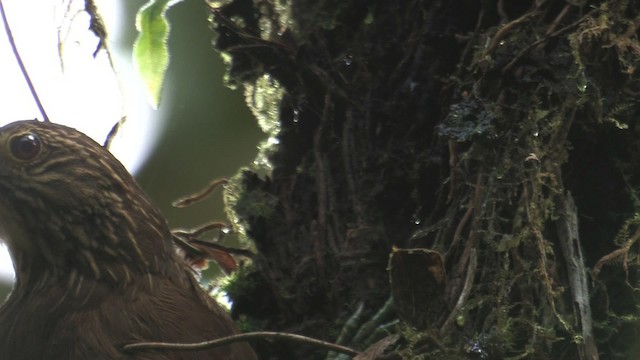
x,y
23,69
145,346
201,195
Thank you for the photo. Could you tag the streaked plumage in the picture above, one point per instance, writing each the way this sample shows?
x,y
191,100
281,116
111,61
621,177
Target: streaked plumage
x,y
94,261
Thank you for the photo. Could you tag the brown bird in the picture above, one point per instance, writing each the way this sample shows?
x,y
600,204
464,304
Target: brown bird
x,y
94,260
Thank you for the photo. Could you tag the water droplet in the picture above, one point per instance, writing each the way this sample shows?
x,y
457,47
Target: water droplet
x,y
296,115
273,140
581,82
475,348
348,59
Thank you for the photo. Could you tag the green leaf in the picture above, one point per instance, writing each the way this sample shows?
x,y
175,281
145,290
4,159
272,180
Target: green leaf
x,y
150,53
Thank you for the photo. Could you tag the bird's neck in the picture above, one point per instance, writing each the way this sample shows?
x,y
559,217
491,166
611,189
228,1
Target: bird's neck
x,y
117,261
114,240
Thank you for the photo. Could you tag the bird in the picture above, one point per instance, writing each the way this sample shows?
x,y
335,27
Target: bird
x,y
94,261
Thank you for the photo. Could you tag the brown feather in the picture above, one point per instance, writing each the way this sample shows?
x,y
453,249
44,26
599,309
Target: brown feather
x,y
94,260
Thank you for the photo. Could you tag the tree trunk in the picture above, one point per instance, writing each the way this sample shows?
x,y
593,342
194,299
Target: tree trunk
x,y
476,160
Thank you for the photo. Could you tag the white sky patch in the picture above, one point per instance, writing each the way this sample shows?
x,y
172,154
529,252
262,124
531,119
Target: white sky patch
x,y
81,91
6,270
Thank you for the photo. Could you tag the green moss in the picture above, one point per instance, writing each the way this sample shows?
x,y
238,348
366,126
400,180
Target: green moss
x,y
242,204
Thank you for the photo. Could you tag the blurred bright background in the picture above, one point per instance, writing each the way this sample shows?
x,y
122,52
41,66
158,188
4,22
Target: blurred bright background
x,y
201,131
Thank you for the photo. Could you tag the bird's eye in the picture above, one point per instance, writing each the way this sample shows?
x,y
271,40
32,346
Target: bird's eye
x,y
25,147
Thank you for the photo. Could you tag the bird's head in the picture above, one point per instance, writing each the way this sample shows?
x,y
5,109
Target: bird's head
x,y
67,205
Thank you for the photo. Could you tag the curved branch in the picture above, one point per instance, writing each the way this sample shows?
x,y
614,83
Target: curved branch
x,y
23,69
144,346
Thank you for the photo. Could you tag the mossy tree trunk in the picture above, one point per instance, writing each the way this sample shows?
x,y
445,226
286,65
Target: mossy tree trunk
x,y
477,160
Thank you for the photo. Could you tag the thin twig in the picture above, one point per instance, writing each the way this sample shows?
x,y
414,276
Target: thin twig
x,y
504,30
97,26
535,44
23,69
369,327
201,195
616,255
453,161
348,330
557,20
475,220
534,224
464,294
457,235
99,29
113,132
193,243
145,346
201,230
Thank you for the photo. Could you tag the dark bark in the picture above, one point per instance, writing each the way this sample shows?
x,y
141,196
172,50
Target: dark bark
x,y
454,137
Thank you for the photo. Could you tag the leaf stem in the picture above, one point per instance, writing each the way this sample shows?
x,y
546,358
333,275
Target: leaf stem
x,y
21,64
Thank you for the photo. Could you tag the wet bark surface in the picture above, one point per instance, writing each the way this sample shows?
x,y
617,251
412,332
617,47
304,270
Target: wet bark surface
x,y
476,160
